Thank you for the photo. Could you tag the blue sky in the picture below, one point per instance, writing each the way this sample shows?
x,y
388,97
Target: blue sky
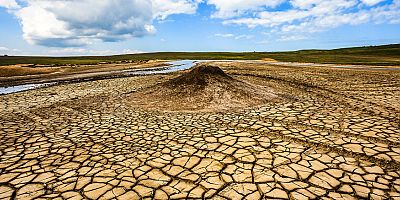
x,y
91,27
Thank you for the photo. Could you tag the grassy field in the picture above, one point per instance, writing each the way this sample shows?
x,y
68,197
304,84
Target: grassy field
x,y
372,55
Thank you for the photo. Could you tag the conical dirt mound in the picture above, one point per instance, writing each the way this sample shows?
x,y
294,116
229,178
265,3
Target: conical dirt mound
x,y
205,88
200,77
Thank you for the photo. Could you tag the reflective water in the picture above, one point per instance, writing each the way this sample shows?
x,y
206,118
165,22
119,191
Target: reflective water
x,y
174,66
20,88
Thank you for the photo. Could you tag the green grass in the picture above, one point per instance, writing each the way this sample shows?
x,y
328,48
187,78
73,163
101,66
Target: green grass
x,y
371,55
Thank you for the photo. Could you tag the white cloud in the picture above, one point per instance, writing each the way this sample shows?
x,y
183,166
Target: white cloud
x,y
224,35
246,37
372,2
387,14
6,50
78,23
10,4
232,8
320,15
72,23
163,8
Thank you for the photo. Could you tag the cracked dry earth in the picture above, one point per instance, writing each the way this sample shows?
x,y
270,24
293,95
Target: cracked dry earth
x,y
336,136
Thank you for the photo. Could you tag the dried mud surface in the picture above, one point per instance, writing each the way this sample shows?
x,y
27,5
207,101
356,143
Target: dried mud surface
x,y
334,135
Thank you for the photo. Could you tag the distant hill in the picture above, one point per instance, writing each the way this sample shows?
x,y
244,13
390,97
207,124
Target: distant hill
x,y
369,55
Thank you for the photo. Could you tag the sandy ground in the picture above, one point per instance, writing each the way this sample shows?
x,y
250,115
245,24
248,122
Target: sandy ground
x,y
335,135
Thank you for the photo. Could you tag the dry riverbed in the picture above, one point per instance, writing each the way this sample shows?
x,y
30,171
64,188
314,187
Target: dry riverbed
x,y
333,134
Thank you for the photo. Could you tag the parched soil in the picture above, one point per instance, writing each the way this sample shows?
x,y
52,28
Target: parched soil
x,y
333,134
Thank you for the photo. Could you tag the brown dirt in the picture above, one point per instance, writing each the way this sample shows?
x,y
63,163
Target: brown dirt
x,y
269,60
21,70
205,88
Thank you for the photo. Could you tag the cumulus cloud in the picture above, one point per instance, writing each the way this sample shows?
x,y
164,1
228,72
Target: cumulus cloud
x,y
73,23
232,8
320,15
10,4
78,23
163,8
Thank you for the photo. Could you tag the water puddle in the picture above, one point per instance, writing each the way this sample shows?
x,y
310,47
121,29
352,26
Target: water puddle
x,y
20,88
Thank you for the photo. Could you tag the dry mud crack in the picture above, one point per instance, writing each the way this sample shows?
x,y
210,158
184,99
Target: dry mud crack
x,y
87,141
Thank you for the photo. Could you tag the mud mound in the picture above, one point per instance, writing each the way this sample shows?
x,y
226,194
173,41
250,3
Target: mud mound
x,y
205,88
199,76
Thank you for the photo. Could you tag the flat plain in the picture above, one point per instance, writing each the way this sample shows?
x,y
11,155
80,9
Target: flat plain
x,y
329,133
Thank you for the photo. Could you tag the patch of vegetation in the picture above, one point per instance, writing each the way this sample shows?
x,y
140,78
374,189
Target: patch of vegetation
x,y
371,55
